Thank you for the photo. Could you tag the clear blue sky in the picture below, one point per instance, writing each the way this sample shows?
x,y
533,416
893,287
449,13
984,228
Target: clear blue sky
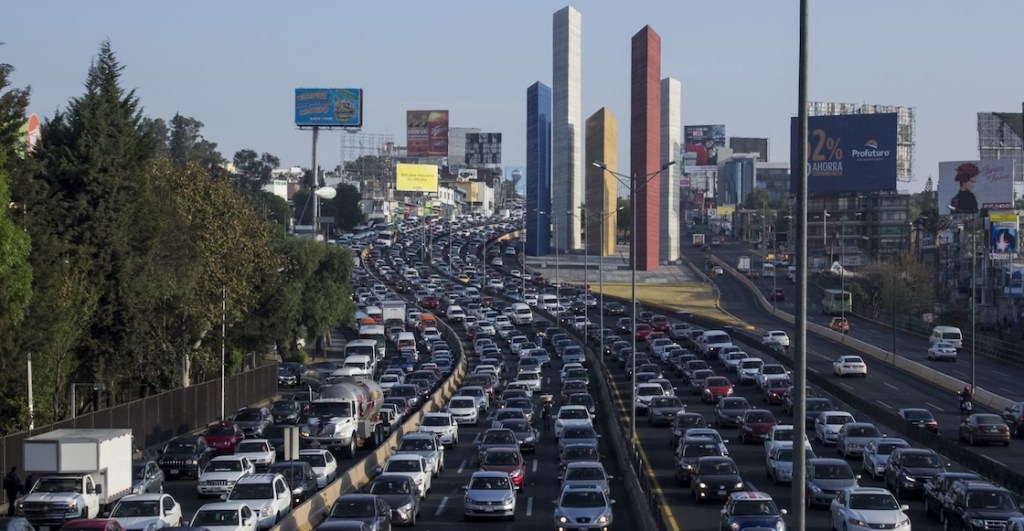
x,y
234,65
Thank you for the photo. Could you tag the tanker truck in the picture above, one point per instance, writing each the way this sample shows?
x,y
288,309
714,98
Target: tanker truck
x,y
346,415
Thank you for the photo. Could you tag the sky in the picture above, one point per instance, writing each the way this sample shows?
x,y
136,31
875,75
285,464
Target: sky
x,y
235,65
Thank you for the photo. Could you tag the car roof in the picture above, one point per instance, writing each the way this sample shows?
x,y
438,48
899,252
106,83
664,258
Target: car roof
x,y
751,496
225,505
149,496
259,478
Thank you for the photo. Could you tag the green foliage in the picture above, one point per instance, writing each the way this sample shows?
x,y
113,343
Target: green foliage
x,y
345,207
15,271
187,145
368,166
252,171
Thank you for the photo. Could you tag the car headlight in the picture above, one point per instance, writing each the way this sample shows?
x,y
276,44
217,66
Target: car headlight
x,y
856,522
265,511
190,461
562,519
975,522
739,485
780,526
815,487
906,521
702,485
603,519
734,526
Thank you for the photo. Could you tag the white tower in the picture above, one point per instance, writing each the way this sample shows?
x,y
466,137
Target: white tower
x,y
671,128
567,129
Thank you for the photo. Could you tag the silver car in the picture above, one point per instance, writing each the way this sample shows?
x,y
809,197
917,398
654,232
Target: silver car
x,y
779,462
826,478
426,445
876,454
489,495
583,507
586,473
854,436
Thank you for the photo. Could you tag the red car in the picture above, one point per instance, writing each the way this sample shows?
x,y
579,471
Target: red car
x,y
573,387
92,524
223,437
430,302
755,424
507,460
642,331
776,390
716,387
661,323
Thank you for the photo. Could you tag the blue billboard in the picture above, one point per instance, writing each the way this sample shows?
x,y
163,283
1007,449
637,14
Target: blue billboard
x,y
329,107
847,153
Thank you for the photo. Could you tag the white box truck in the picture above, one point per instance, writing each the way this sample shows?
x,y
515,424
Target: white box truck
x,y
78,473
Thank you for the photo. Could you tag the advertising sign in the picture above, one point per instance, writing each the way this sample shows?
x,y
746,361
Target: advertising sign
x,y
426,133
847,153
483,148
1004,241
329,107
703,141
971,185
416,178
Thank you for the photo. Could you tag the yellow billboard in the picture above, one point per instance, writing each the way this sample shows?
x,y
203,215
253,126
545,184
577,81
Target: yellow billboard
x,y
416,178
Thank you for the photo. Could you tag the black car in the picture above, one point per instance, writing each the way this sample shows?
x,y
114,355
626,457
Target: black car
x,y
973,501
253,420
919,418
714,477
938,489
286,411
288,375
910,468
186,455
299,476
614,308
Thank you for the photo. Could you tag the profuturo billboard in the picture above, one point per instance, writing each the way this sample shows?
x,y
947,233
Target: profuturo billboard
x,y
847,153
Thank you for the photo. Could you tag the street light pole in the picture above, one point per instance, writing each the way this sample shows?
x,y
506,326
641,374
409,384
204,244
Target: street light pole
x,y
634,184
600,271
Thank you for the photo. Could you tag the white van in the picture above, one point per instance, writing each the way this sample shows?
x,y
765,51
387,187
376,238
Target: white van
x,y
356,365
767,270
949,334
547,301
406,340
521,314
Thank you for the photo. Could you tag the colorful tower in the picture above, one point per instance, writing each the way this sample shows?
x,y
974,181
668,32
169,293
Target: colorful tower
x,y
538,170
645,146
602,133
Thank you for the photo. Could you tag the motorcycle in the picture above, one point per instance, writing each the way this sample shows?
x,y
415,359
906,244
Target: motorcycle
x,y
966,406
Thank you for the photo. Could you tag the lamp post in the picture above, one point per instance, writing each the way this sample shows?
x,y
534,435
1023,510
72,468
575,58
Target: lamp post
x,y
586,263
558,286
321,192
974,289
600,271
634,185
74,398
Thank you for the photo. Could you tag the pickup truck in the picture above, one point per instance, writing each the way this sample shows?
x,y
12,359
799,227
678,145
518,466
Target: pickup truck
x,y
1014,417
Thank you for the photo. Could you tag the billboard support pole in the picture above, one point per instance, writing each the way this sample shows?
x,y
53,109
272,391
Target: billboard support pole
x,y
800,353
316,184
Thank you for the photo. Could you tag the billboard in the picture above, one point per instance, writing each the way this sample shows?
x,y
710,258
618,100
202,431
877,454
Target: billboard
x,y
703,141
971,185
1004,234
750,145
483,148
329,107
416,178
426,133
847,153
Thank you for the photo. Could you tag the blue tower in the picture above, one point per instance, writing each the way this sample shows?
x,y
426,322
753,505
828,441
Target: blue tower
x,y
538,170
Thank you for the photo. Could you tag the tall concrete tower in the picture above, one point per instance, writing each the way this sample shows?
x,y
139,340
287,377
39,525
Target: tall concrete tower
x,y
567,128
538,170
671,131
602,145
645,146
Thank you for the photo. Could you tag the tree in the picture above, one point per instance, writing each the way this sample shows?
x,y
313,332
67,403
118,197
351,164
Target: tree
x,y
345,207
368,166
186,144
252,171
900,282
15,271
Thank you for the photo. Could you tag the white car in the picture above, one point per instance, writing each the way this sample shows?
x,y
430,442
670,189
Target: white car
x,y
769,372
942,350
778,336
259,452
147,511
781,434
323,463
442,426
847,365
267,495
221,474
644,394
225,516
464,410
747,369
516,343
530,378
425,445
389,380
826,426
412,465
571,416
864,508
486,329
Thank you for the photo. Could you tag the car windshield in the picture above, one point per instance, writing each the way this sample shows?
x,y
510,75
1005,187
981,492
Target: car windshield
x,y
403,465
922,461
216,518
139,470
54,484
248,416
127,509
501,458
435,421
499,438
874,502
288,471
389,486
667,401
991,501
330,409
735,404
489,483
580,453
416,445
716,382
584,473
989,420
573,413
916,414
773,369
180,447
863,431
357,508
220,432
227,465
750,508
252,491
783,435
583,499
837,419
244,447
578,432
699,450
718,468
462,404
760,418
314,460
833,472
887,448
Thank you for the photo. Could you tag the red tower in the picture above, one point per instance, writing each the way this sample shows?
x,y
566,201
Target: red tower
x,y
645,145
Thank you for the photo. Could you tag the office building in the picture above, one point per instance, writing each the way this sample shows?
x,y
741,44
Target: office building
x,y
538,170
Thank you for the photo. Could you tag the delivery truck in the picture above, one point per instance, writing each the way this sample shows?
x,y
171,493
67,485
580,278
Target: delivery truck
x,y
698,240
743,266
78,474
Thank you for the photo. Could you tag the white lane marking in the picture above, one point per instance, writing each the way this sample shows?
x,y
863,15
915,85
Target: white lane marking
x,y
994,461
462,466
440,508
847,386
1007,391
891,386
812,369
529,506
548,380
937,408
884,404
750,487
822,356
534,468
